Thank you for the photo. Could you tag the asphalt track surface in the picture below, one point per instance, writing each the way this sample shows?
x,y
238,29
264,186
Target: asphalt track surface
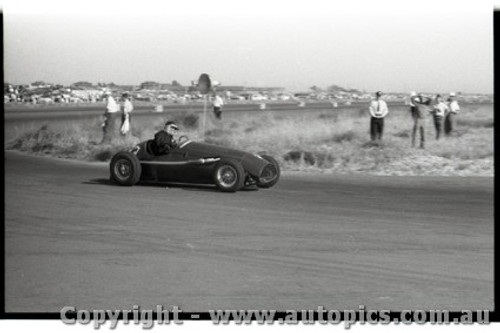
x,y
74,239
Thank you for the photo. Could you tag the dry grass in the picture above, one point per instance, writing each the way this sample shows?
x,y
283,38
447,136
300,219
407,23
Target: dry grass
x,y
309,142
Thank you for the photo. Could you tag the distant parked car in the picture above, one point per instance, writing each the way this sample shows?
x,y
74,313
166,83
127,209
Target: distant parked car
x,y
284,97
45,100
258,98
237,98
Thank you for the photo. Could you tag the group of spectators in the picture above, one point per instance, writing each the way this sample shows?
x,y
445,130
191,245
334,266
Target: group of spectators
x,y
113,110
124,108
443,112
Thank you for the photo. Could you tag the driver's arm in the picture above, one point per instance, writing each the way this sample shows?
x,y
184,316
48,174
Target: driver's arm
x,y
164,142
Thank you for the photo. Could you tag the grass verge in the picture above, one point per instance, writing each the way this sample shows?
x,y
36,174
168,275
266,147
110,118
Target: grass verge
x,y
309,142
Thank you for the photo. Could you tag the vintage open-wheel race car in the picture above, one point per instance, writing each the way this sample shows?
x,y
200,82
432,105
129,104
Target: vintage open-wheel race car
x,y
195,163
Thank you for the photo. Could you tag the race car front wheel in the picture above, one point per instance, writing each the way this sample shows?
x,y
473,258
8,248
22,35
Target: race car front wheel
x,y
229,176
125,168
270,174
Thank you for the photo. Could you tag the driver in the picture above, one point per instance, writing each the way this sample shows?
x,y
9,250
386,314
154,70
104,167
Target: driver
x,y
164,140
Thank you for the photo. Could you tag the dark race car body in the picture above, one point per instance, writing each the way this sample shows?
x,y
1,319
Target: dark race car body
x,y
196,163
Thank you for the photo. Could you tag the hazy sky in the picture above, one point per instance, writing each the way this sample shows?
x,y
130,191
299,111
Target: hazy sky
x,y
437,45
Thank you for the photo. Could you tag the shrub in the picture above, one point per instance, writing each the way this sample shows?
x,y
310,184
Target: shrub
x,y
190,120
300,156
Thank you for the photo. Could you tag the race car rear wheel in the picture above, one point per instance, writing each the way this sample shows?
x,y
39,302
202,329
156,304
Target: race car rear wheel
x,y
229,176
125,168
271,173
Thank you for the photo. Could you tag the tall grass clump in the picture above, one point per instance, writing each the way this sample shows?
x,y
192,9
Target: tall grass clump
x,y
76,141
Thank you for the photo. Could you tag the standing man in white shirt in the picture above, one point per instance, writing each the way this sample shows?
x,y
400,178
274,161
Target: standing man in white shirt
x,y
378,110
439,111
454,109
110,115
217,104
413,107
127,109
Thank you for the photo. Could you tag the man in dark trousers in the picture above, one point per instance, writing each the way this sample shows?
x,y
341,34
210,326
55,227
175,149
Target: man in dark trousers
x,y
218,103
378,110
453,111
422,104
110,116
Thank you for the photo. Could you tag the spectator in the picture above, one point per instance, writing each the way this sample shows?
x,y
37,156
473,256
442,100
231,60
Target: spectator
x,y
439,111
378,110
413,107
421,103
109,125
127,109
217,104
454,109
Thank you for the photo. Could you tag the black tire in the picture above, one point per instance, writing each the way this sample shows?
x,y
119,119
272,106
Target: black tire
x,y
229,176
271,174
125,169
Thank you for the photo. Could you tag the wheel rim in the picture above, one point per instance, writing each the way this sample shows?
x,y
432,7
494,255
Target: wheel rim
x,y
227,176
123,169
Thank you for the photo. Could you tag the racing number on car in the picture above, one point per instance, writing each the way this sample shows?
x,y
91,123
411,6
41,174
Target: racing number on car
x,y
135,150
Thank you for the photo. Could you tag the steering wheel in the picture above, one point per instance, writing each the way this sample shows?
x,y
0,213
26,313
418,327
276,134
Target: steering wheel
x,y
182,139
